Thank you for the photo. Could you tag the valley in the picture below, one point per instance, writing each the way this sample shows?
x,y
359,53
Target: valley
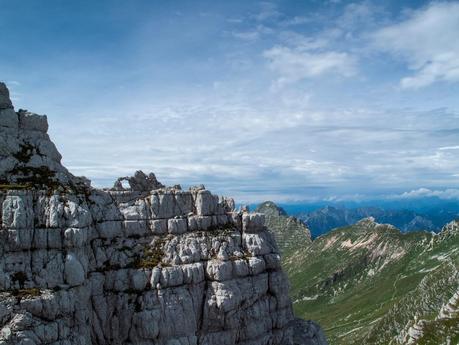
x,y
369,283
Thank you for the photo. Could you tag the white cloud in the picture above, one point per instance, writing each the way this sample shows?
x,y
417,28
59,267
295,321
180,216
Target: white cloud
x,y
235,145
428,41
304,43
208,115
293,65
330,48
446,194
446,148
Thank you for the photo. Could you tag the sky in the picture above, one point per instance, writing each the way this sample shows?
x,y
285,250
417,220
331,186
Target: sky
x,y
280,100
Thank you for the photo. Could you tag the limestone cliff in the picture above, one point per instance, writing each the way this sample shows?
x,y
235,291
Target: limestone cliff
x,y
147,264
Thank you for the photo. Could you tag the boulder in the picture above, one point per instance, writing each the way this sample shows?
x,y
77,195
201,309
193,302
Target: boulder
x,y
32,122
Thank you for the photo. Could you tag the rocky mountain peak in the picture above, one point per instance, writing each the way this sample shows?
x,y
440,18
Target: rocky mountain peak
x,y
371,223
269,208
290,233
450,229
28,156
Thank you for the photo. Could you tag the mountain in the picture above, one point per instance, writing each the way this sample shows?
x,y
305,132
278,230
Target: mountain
x,y
290,233
322,220
369,283
136,264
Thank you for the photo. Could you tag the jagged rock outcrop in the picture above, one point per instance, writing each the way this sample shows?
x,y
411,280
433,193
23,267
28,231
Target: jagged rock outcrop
x,y
28,157
139,182
140,265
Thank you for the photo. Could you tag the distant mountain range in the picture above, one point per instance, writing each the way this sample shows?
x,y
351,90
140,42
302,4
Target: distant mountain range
x,y
322,220
370,283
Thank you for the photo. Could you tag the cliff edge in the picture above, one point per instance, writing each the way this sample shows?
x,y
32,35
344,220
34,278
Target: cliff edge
x,y
139,264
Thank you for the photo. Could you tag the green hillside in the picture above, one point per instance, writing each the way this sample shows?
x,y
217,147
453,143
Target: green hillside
x,y
371,284
291,233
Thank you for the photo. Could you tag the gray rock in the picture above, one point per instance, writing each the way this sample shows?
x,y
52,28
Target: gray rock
x,y
158,226
205,203
5,102
74,271
139,182
141,265
253,222
308,333
32,122
177,226
18,210
8,118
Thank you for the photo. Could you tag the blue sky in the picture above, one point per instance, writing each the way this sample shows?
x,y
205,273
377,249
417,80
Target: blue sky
x,y
282,100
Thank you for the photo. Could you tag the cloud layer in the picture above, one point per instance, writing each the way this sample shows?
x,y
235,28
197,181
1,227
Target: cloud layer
x,y
447,194
427,41
259,101
295,65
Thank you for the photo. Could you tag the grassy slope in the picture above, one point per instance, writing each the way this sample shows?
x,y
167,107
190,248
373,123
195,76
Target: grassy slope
x,y
367,283
291,234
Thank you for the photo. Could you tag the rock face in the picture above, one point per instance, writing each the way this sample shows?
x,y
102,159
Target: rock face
x,y
5,102
140,265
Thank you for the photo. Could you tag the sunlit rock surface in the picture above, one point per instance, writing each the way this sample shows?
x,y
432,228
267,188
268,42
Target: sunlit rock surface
x,y
139,264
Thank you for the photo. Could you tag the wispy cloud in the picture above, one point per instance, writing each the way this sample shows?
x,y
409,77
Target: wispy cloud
x,y
446,194
282,101
427,41
293,65
268,10
446,148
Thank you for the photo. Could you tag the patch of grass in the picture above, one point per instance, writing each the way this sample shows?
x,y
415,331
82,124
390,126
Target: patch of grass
x,y
151,257
220,230
14,186
435,332
41,177
26,293
366,294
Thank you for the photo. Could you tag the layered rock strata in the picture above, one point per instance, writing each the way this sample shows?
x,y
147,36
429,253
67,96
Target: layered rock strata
x,y
140,265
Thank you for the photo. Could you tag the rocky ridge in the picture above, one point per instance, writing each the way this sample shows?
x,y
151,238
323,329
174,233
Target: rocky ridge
x,y
138,265
369,283
290,233
324,219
